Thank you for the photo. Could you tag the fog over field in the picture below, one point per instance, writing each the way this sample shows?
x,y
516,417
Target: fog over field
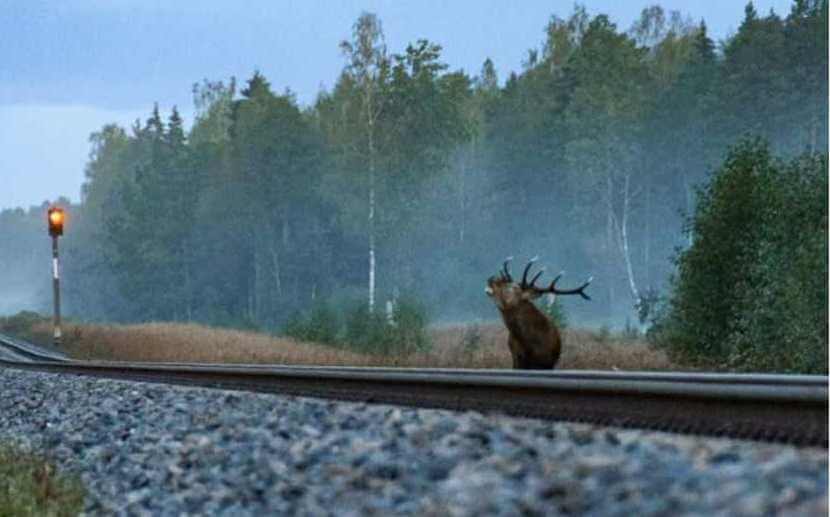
x,y
407,180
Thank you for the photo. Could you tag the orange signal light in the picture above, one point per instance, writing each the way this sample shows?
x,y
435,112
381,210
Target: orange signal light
x,y
56,220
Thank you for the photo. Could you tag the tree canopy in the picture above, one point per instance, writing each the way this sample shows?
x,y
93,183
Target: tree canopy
x,y
410,178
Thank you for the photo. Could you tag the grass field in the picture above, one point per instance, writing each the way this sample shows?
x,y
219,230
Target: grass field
x,y
29,486
453,346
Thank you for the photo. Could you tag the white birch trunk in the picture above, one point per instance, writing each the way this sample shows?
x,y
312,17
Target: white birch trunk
x,y
814,134
372,247
624,242
251,287
647,244
371,124
609,240
257,308
188,282
462,195
690,236
275,263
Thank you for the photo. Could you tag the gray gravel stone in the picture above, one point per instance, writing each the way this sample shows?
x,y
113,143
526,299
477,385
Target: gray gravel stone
x,y
145,449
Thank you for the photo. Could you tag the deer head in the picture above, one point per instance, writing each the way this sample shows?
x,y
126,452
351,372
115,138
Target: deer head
x,y
507,294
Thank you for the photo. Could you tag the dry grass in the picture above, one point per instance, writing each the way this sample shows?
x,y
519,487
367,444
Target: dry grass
x,y
457,346
581,350
179,342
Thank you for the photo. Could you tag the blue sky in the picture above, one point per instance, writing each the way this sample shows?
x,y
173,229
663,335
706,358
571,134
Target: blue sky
x,y
68,67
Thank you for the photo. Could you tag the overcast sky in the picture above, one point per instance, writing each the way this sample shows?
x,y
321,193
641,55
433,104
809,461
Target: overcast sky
x,y
68,67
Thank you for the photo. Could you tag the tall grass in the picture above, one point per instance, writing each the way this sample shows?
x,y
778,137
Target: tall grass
x,y
482,345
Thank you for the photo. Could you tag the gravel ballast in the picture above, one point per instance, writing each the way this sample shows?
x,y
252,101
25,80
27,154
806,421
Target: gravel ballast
x,y
166,450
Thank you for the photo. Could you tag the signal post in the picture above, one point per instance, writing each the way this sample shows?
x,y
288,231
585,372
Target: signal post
x,y
56,218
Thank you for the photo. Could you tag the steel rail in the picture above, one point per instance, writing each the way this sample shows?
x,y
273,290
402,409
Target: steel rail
x,y
9,354
701,377
28,351
763,407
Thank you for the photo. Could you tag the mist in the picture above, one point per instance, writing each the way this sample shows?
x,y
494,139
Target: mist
x,y
25,255
408,179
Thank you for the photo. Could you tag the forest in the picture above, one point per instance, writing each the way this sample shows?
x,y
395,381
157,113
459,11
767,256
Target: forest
x,y
411,180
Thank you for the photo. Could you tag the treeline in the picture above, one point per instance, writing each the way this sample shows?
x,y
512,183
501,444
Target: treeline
x,y
407,178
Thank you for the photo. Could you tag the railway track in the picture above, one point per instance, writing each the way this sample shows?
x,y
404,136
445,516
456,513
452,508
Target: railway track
x,y
781,408
16,350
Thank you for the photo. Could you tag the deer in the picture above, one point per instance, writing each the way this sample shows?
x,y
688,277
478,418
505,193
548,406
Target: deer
x,y
534,342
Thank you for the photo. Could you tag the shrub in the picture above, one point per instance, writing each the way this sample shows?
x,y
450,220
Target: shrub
x,y
751,291
409,326
365,331
296,326
406,332
604,335
324,324
782,325
471,339
20,324
351,325
630,331
321,325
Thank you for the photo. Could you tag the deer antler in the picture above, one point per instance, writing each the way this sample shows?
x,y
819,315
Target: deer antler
x,y
552,288
524,284
505,274
579,290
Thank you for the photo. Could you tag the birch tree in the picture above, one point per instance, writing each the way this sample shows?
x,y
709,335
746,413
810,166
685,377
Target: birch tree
x,y
606,152
368,65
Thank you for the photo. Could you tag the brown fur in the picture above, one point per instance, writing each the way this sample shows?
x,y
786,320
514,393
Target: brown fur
x,y
534,342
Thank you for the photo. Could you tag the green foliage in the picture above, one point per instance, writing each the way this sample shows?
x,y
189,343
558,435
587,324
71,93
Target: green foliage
x,y
351,325
364,330
321,325
712,274
375,333
409,325
20,324
630,331
782,325
648,306
262,207
29,486
751,292
604,334
296,326
324,324
471,339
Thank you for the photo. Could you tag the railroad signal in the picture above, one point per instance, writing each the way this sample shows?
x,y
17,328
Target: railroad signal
x,y
56,220
56,217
